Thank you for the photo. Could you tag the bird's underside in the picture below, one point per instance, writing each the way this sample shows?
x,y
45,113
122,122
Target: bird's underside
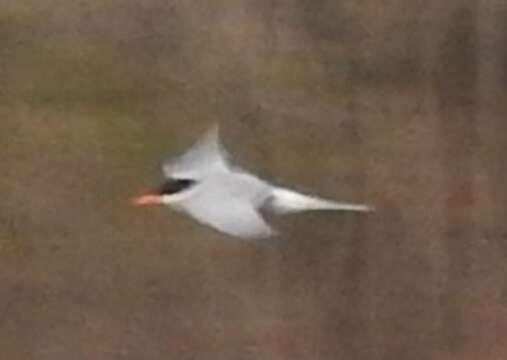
x,y
228,199
230,203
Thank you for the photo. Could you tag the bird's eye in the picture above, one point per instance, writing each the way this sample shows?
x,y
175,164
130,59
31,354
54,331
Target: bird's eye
x,y
173,186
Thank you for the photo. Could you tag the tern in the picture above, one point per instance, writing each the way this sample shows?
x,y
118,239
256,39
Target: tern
x,y
204,184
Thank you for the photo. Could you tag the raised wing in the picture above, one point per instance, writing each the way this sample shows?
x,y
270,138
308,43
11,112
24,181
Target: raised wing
x,y
207,156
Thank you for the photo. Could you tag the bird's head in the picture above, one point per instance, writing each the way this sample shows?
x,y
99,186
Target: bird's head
x,y
167,193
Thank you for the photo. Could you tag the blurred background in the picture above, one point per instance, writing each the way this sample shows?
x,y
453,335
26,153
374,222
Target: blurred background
x,y
400,104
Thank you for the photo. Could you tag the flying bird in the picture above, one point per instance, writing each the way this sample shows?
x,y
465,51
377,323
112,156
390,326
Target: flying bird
x,y
204,184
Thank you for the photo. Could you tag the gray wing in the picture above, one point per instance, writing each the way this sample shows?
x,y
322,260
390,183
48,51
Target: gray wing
x,y
228,210
207,156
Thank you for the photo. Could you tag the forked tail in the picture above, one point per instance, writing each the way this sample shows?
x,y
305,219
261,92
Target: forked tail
x,y
288,201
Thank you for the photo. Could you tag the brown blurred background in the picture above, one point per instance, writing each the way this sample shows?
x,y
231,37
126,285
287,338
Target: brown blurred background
x,y
400,104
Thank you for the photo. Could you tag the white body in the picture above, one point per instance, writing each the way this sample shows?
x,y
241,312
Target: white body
x,y
228,199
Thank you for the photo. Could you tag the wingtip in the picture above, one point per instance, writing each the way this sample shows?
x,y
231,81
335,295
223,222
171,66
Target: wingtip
x,y
355,207
214,131
370,209
212,136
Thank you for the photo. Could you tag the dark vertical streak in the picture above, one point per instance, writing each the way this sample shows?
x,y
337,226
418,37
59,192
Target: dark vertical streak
x,y
355,268
492,194
456,88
